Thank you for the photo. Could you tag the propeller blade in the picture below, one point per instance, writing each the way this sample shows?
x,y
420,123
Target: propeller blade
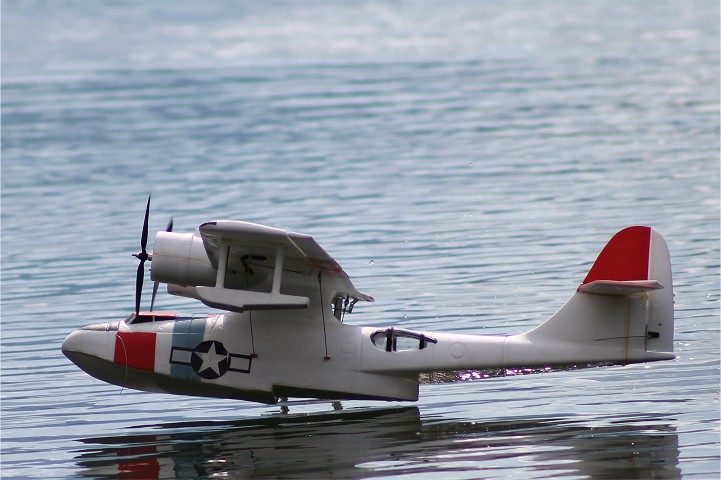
x,y
144,235
155,291
139,285
142,256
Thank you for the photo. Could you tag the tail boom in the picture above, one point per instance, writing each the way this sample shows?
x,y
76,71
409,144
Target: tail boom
x,y
622,313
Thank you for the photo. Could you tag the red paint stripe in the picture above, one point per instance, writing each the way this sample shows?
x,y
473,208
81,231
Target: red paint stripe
x,y
136,350
625,257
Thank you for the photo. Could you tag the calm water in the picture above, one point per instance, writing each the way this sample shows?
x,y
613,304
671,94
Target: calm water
x,y
465,163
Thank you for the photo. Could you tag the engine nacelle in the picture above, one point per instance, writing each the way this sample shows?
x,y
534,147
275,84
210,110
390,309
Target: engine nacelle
x,y
181,259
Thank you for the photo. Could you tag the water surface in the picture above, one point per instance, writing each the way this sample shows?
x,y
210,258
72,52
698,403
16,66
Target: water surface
x,y
464,162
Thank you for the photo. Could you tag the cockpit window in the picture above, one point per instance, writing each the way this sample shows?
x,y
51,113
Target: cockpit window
x,y
150,317
393,340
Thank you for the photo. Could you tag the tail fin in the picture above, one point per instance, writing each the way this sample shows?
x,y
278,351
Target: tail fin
x,y
638,257
623,310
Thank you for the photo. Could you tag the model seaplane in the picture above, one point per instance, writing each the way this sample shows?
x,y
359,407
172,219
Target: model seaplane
x,y
283,335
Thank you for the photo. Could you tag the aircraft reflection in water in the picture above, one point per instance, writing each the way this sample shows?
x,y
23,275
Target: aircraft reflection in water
x,y
367,443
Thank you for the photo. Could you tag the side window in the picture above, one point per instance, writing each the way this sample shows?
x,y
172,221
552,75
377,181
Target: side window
x,y
379,339
392,340
149,317
404,342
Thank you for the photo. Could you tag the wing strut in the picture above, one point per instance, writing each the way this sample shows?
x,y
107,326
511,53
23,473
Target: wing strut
x,y
222,266
239,300
278,271
322,312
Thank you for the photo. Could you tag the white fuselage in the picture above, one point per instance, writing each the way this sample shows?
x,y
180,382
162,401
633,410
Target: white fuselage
x,y
265,355
283,338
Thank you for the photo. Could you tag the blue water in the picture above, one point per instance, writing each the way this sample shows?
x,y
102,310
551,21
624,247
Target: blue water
x,y
465,162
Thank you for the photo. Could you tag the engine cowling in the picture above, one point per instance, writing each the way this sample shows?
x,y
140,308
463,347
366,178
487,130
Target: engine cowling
x,y
181,259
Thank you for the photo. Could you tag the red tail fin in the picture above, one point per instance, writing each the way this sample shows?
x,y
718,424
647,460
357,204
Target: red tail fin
x,y
625,257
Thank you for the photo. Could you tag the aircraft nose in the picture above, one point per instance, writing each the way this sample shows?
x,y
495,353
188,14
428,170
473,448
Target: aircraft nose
x,y
92,341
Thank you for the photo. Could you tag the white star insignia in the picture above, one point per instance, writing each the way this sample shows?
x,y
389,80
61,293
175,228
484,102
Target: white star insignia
x,y
211,359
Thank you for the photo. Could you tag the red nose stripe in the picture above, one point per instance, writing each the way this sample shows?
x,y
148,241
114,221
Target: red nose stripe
x,y
136,350
625,257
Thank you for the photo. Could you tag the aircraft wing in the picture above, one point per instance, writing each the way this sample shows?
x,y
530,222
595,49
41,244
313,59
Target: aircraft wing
x,y
254,247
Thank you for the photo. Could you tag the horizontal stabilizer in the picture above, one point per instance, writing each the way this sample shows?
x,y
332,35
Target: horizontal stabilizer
x,y
620,287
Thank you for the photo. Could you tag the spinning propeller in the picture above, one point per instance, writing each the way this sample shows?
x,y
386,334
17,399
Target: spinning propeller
x,y
143,256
